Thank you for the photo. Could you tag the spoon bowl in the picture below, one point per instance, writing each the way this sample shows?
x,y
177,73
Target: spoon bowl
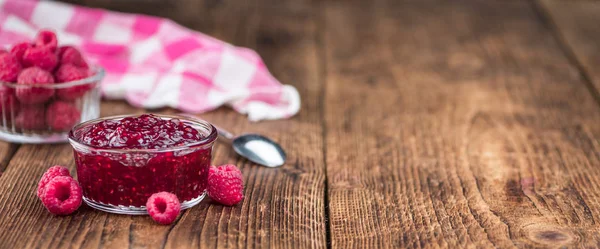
x,y
259,149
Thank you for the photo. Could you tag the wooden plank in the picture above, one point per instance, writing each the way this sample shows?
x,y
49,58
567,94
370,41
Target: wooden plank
x,y
283,207
578,27
7,150
456,124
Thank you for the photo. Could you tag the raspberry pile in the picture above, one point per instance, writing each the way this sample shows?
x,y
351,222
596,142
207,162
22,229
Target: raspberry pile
x,y
59,192
34,68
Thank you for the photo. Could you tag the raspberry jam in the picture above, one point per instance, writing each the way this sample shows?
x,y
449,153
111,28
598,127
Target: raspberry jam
x,y
122,161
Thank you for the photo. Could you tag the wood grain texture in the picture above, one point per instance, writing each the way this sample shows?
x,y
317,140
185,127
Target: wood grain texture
x,y
283,207
456,124
578,26
7,150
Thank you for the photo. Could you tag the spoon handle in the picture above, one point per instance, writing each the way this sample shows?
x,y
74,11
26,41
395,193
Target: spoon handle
x,y
224,133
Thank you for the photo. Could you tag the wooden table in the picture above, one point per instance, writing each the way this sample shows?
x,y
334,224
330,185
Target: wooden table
x,y
423,124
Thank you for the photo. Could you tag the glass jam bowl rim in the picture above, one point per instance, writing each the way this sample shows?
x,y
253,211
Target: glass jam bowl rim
x,y
78,145
98,74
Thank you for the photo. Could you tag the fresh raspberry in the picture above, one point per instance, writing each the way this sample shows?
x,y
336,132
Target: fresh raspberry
x,y
62,195
70,72
9,67
70,55
61,116
40,57
31,117
19,49
226,184
67,73
34,95
46,39
52,172
163,207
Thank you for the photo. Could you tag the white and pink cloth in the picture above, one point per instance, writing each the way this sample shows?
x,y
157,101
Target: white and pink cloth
x,y
153,62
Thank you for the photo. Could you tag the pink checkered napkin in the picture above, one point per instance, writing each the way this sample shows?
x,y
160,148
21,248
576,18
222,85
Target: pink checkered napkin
x,y
153,62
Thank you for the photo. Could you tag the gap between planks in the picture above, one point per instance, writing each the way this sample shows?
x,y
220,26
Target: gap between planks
x,y
321,47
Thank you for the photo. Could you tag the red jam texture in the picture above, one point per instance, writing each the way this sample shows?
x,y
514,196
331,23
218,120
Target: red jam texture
x,y
144,132
129,178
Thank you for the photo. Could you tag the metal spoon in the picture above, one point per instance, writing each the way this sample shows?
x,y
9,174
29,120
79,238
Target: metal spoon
x,y
256,148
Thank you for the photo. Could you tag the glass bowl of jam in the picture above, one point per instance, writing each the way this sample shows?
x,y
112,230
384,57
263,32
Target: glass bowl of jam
x,y
123,160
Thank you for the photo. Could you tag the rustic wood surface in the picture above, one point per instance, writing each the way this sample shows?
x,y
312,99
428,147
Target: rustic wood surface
x,y
578,28
423,124
464,124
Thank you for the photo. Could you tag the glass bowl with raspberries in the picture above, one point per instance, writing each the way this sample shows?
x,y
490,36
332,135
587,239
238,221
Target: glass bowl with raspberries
x,y
45,90
122,160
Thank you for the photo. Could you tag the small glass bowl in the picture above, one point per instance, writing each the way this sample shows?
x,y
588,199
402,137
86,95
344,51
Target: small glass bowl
x,y
57,108
121,180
